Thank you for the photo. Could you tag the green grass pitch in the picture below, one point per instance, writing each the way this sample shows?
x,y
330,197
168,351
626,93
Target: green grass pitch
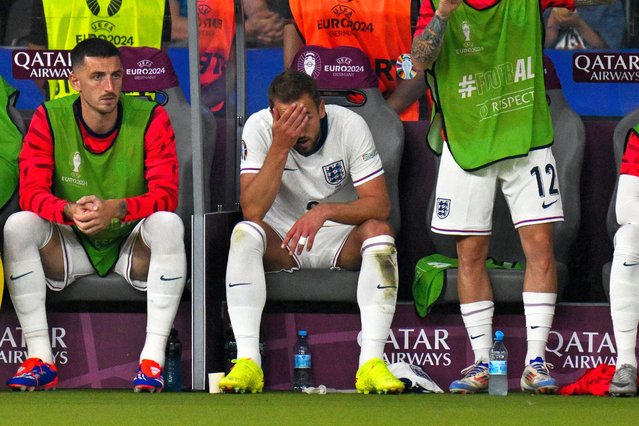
x,y
123,407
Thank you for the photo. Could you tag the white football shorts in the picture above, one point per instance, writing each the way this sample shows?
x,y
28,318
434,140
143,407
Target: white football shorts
x,y
326,248
465,200
77,263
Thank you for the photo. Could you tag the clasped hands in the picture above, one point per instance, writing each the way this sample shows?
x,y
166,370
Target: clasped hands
x,y
91,214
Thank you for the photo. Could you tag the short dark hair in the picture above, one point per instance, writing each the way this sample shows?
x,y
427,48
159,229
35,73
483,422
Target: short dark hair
x,y
93,47
291,85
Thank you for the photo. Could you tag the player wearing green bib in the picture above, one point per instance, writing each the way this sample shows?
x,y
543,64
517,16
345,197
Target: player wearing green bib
x,y
492,127
98,185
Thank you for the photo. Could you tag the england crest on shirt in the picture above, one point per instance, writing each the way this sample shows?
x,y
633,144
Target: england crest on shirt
x,y
334,173
443,207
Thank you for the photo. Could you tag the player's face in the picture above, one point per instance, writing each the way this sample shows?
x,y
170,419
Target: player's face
x,y
309,138
99,81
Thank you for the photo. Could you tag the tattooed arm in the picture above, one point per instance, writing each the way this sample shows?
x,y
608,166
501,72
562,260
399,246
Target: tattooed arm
x,y
428,44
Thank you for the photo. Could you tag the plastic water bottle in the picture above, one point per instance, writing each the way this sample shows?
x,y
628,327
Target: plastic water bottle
x,y
172,365
302,371
498,367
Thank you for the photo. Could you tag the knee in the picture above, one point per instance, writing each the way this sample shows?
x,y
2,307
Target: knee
x,y
25,227
472,253
627,239
539,252
166,226
248,236
374,228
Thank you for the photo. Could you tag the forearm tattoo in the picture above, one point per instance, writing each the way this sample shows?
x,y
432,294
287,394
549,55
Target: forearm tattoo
x,y
427,45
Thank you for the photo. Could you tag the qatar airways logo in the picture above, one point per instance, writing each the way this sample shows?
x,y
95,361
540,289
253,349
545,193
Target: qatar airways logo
x,y
580,349
417,346
13,347
41,64
605,67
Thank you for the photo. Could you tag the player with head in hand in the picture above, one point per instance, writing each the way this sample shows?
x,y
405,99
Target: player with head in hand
x,y
492,126
98,199
300,157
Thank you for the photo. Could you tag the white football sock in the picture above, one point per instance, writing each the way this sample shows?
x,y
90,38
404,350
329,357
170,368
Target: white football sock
x,y
377,294
163,233
478,320
539,309
25,279
246,287
624,293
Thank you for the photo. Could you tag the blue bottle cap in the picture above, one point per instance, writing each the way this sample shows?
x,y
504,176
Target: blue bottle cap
x,y
301,333
499,335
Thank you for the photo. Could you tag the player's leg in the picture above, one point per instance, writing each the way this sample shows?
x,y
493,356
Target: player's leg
x,y
463,208
253,245
540,296
157,260
28,239
624,308
477,309
530,188
371,248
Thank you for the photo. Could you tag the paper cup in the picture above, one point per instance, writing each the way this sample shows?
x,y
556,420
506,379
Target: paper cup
x,y
214,382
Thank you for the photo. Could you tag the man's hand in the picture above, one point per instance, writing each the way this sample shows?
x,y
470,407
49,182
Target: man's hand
x,y
92,214
265,26
302,233
446,7
564,18
288,127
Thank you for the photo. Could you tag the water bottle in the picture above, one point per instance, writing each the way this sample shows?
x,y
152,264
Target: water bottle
x,y
302,373
230,350
498,367
172,365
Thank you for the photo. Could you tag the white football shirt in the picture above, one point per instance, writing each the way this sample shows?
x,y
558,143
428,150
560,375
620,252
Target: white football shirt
x,y
347,158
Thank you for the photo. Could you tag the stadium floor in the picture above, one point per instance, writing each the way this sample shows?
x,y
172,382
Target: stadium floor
x,y
113,407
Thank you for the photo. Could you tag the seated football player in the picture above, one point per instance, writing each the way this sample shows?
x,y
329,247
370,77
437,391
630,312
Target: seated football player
x,y
98,200
297,154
